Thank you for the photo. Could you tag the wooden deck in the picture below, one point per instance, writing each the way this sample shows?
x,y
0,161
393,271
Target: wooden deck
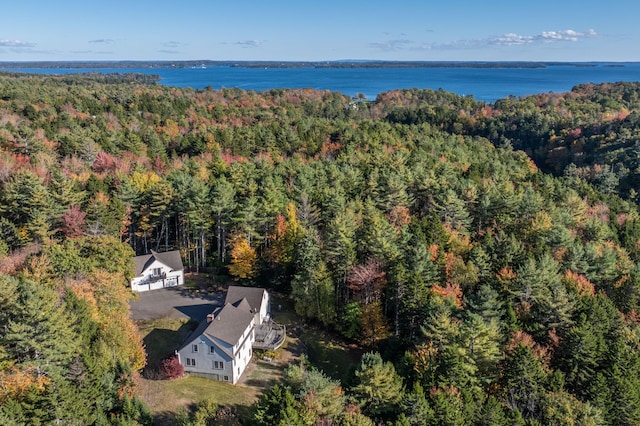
x,y
270,336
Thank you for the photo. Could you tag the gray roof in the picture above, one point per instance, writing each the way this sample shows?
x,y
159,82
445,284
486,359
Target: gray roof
x,y
253,296
171,259
227,326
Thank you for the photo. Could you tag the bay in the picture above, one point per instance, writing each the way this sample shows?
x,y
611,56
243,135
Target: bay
x,y
483,83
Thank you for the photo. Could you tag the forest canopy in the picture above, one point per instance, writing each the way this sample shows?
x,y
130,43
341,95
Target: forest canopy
x,y
485,255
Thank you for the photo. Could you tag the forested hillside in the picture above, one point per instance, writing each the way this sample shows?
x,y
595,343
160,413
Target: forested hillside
x,y
487,291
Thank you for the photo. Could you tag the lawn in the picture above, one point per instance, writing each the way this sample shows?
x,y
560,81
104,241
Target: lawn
x,y
166,397
331,354
326,350
161,338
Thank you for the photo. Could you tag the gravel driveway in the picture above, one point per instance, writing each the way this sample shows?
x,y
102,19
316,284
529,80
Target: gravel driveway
x,y
174,302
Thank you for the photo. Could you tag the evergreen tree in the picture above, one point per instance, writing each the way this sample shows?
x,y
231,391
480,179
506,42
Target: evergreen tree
x,y
341,250
486,303
27,203
278,407
378,389
415,407
311,286
223,204
524,380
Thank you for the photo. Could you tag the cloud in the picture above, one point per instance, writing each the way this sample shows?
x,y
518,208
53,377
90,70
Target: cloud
x,y
102,41
169,51
173,44
544,37
509,39
16,44
387,45
513,39
249,43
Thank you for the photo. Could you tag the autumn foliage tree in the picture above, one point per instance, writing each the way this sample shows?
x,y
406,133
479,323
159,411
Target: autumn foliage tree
x,y
171,368
423,209
243,258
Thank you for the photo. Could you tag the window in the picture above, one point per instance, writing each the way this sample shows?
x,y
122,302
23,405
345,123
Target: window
x,y
218,365
212,350
156,272
194,348
226,378
191,362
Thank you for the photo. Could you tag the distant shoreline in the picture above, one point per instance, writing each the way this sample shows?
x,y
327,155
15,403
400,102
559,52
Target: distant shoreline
x,y
298,64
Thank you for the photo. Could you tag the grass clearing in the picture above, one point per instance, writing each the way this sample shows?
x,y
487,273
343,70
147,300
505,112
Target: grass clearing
x,y
165,398
330,354
161,337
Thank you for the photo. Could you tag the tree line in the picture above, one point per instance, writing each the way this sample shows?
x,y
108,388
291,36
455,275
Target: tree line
x,y
488,291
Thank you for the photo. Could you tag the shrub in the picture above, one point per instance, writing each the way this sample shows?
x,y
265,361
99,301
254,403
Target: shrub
x,y
171,368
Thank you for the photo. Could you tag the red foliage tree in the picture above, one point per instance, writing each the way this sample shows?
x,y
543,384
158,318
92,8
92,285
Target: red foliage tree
x,y
366,281
171,368
104,162
73,222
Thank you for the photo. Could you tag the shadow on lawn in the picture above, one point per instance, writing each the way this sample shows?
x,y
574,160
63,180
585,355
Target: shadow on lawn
x,y
161,343
330,354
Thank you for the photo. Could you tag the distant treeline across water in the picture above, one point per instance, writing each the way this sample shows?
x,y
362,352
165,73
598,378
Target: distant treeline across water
x,y
486,81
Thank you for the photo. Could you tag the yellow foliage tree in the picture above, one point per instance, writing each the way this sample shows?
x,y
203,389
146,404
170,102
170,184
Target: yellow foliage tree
x,y
113,317
16,382
243,258
144,180
373,324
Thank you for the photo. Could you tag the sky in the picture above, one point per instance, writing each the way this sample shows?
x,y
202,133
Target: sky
x,y
303,30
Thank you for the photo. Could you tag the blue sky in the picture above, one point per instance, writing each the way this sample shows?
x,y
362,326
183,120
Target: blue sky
x,y
288,30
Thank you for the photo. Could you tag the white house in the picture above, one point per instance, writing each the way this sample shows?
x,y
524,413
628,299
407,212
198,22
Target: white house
x,y
221,347
157,270
257,298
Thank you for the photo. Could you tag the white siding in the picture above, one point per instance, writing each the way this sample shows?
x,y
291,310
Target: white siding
x,y
264,307
147,281
205,360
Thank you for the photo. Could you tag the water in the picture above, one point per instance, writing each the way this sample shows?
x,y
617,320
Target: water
x,y
486,84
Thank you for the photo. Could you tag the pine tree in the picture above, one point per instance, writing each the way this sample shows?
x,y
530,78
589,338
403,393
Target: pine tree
x,y
523,382
27,203
160,197
278,407
448,407
415,407
38,330
223,202
311,286
380,238
341,250
378,388
421,274
486,303
64,192
481,341
491,413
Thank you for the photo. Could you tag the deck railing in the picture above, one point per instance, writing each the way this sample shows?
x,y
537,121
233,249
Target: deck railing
x,y
270,336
